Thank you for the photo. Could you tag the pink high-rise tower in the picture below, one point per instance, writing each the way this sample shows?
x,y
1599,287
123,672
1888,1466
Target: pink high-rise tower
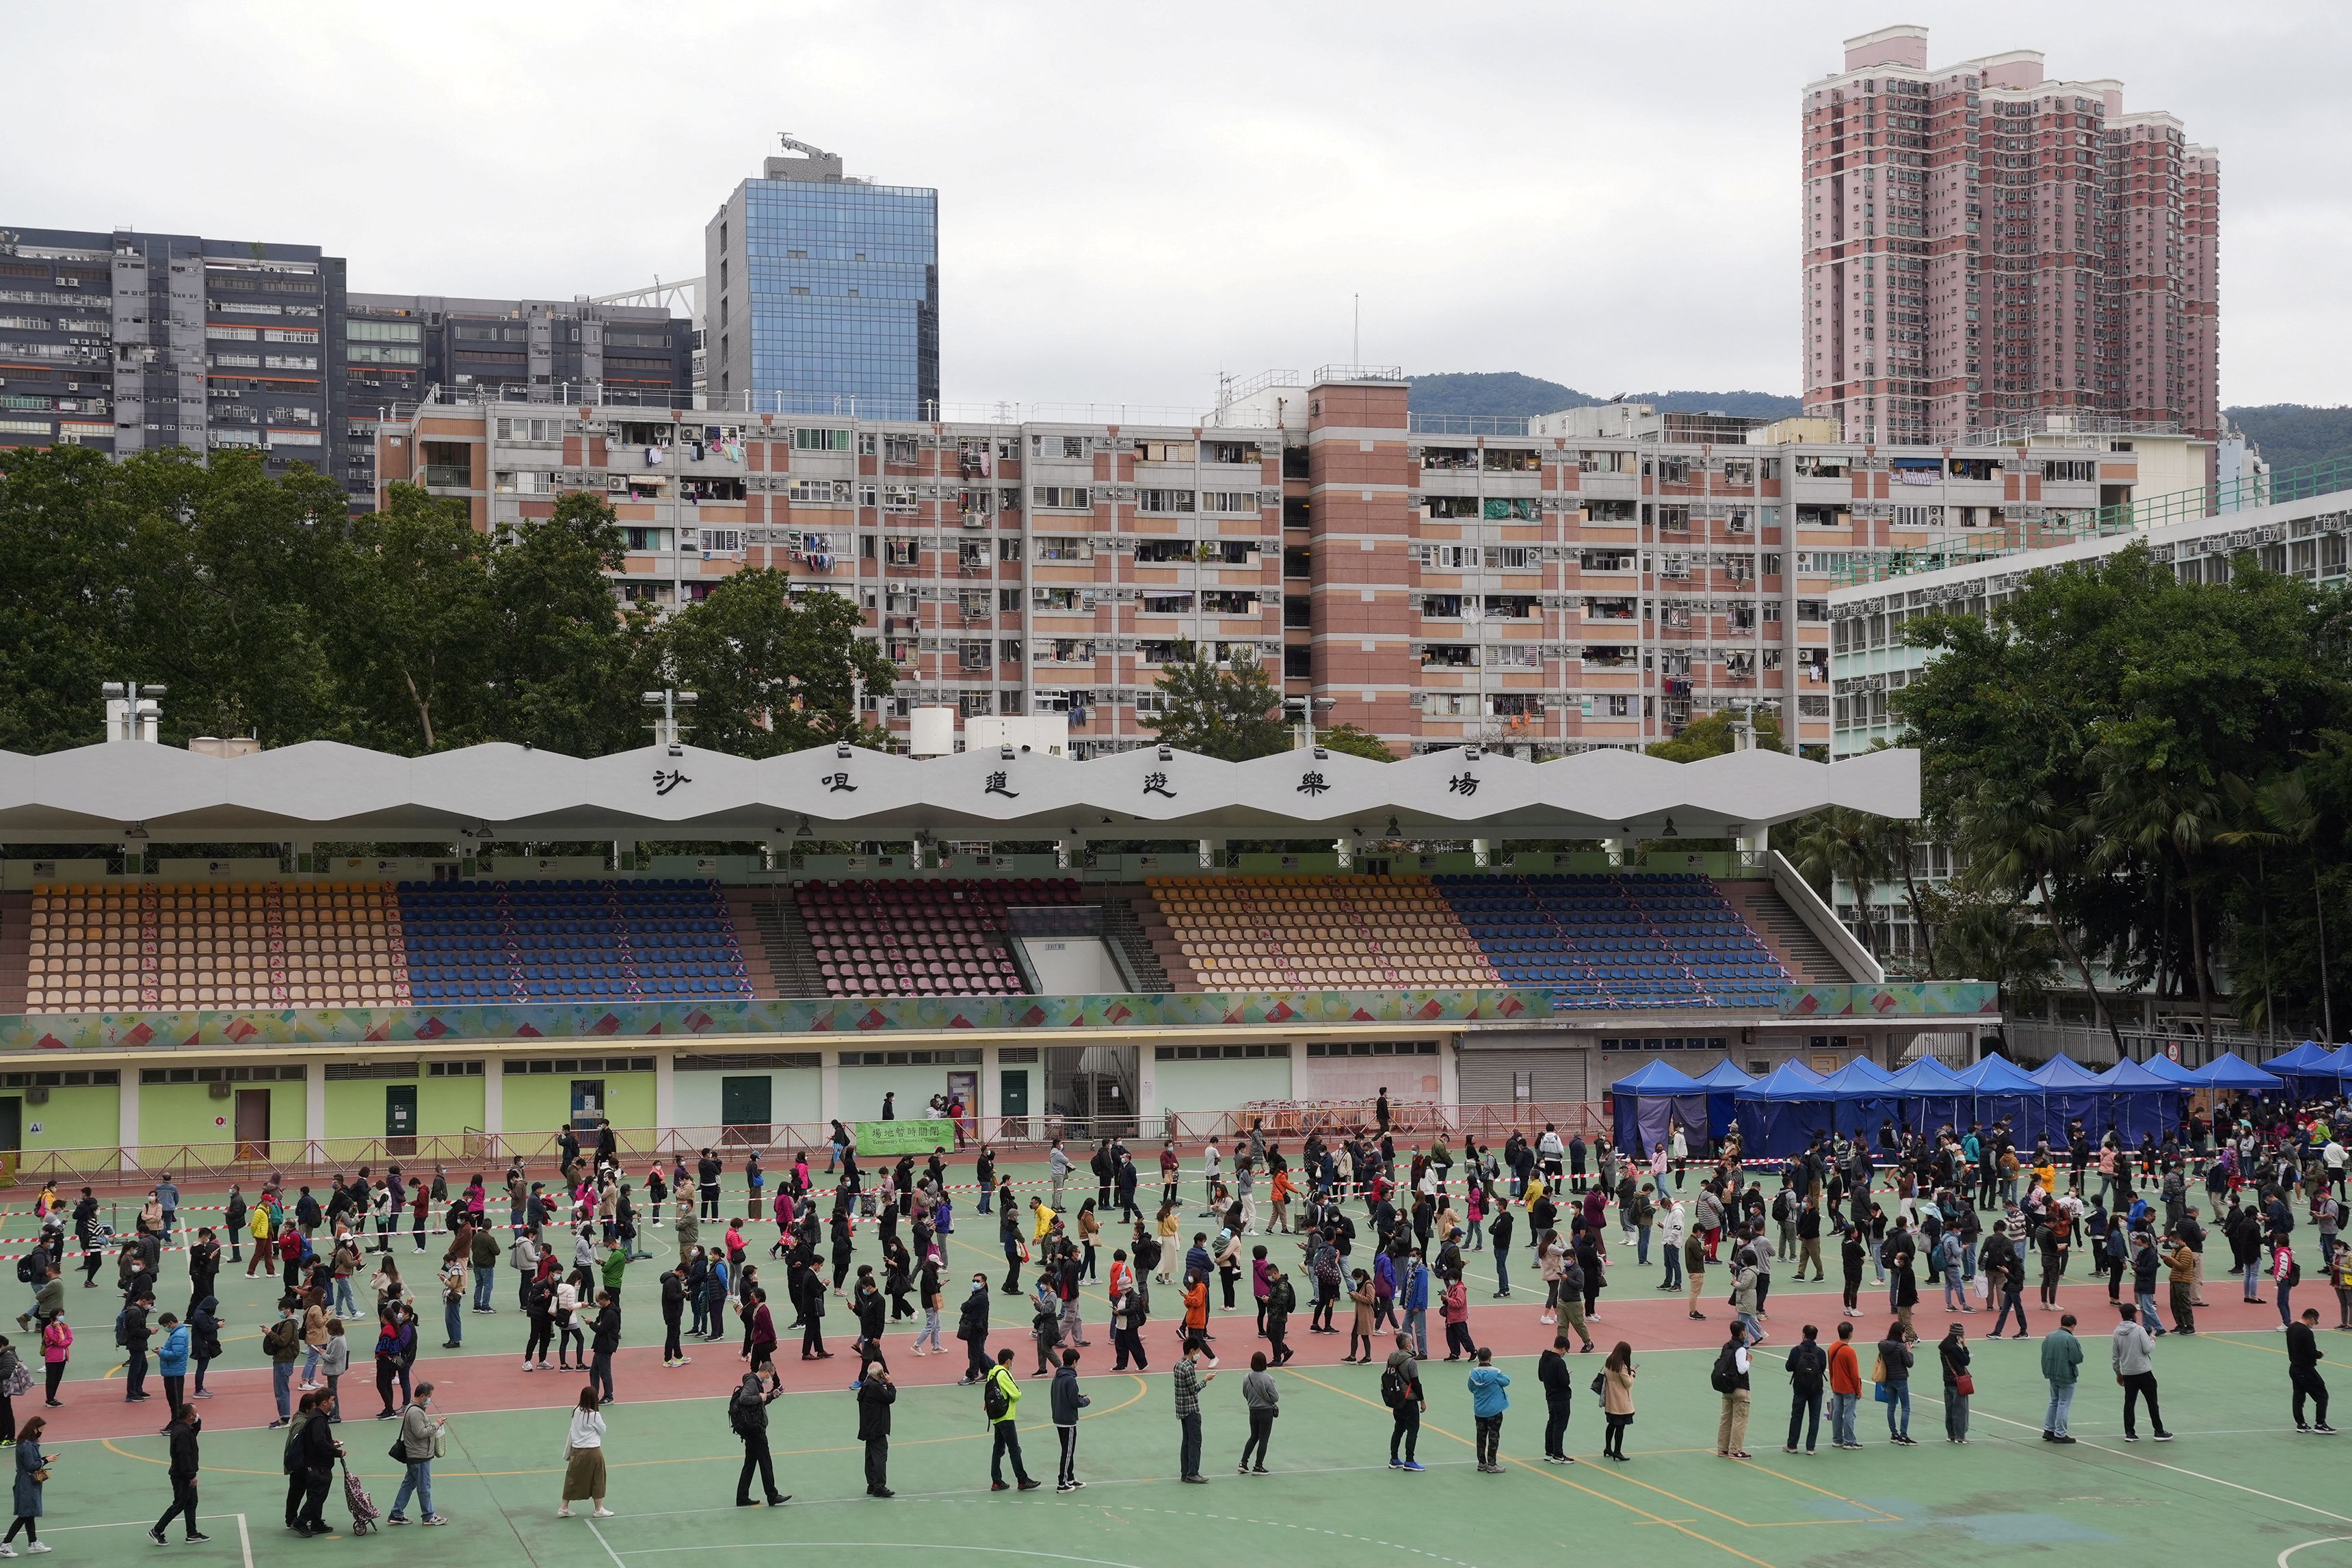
x,y
1985,246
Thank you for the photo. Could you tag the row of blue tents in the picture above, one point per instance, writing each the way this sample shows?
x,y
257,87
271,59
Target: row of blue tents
x,y
1780,1112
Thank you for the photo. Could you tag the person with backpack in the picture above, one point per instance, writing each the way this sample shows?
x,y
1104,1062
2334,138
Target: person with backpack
x,y
747,1417
1400,1391
1728,1378
1000,1403
1808,1365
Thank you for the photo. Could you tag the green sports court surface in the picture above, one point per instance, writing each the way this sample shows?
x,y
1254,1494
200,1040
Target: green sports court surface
x,y
2238,1487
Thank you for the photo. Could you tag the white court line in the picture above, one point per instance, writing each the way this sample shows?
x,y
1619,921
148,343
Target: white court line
x,y
985,1491
605,1544
902,1545
244,1540
2322,1541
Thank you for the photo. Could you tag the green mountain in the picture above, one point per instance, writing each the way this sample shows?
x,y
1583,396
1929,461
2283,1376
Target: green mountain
x,y
2291,434
1506,395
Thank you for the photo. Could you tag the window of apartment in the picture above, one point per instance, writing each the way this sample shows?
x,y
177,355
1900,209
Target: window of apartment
x,y
531,430
1164,451
1061,497
1163,502
526,482
809,438
1064,547
1229,500
820,492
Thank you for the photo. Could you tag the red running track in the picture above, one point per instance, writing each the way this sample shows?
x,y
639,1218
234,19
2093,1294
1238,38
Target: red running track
x,y
487,1380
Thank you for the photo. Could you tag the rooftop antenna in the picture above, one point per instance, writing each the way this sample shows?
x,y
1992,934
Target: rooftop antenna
x,y
1356,341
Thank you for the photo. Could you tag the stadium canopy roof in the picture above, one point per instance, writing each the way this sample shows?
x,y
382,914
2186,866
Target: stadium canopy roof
x,y
321,789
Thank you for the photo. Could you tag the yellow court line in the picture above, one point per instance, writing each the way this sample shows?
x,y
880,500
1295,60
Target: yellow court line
x,y
1142,1388
1629,1507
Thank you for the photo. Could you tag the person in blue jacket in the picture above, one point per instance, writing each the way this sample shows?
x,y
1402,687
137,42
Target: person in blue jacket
x,y
1487,1403
1414,1301
172,1361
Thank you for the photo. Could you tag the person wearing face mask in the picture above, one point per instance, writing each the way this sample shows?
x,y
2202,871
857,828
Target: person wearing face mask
x,y
972,1327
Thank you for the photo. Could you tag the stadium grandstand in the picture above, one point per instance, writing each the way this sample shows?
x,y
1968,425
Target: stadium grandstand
x,y
329,1003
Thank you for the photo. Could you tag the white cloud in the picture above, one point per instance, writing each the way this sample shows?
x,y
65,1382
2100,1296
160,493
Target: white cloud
x,y
1133,197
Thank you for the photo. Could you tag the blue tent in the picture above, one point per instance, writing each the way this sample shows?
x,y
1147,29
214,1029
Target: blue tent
x,y
2230,1071
1863,1096
1723,1083
1781,1111
2171,1072
2339,1064
2004,1091
2070,1093
1929,1095
2302,1061
2135,1102
1648,1098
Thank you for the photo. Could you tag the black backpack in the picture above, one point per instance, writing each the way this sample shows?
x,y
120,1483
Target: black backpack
x,y
994,1401
25,1265
1725,1377
1393,1387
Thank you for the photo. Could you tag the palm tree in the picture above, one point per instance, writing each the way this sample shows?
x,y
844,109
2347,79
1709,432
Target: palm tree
x,y
2149,807
2292,818
1839,844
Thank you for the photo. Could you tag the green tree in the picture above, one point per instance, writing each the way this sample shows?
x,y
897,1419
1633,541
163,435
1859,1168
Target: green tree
x,y
410,638
1712,736
67,526
1987,938
568,664
1839,845
1234,714
772,674
1354,740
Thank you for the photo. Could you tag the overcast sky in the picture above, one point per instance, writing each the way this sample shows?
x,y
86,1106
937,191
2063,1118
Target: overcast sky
x,y
1133,198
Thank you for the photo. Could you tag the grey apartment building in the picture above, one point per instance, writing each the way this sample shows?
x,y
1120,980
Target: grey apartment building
x,y
128,342
393,348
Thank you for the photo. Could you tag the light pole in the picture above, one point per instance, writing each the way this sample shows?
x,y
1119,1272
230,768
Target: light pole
x,y
666,729
1305,706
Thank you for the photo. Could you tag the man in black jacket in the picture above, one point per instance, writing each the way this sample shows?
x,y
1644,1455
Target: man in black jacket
x,y
603,1339
181,1433
706,1175
672,1309
972,1327
1558,1386
747,1413
1808,1365
1281,1301
135,1334
876,1394
316,1452
2302,1358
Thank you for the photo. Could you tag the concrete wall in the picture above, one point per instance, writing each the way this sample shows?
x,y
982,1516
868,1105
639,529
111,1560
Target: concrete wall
x,y
862,1089
446,1107
1218,1085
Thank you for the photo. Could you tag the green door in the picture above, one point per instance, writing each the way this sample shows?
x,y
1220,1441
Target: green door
x,y
400,1118
1012,1092
744,1107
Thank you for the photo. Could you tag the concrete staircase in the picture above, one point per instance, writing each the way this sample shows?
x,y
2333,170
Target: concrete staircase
x,y
1125,931
1802,953
757,962
1161,939
16,932
784,945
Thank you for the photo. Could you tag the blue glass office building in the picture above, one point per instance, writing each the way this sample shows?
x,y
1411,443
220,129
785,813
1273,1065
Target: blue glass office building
x,y
825,293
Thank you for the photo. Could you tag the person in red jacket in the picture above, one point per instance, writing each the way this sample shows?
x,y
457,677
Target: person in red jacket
x,y
1845,1389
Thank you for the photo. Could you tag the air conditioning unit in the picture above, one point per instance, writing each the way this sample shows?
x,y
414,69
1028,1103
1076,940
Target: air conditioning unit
x,y
221,1089
38,1094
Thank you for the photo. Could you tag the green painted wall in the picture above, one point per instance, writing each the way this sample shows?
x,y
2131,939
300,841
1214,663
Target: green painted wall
x,y
1217,1085
85,1117
186,1112
542,1102
446,1107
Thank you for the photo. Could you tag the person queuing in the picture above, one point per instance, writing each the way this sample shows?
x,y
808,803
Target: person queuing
x,y
181,1435
875,1395
747,1417
2302,1358
584,1472
32,1473
420,1432
1066,1400
1001,1403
